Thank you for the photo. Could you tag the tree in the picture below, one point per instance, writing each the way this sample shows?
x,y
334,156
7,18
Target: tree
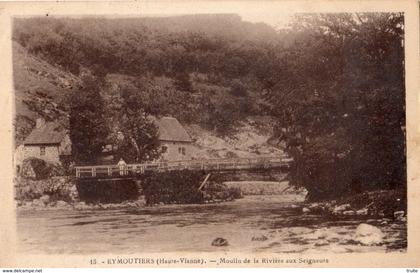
x,y
340,103
182,82
140,140
238,89
88,129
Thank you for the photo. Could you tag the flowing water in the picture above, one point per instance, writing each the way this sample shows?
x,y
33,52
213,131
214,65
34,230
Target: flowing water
x,y
255,223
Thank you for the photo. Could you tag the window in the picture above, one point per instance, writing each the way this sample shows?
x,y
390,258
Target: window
x,y
181,150
42,150
164,149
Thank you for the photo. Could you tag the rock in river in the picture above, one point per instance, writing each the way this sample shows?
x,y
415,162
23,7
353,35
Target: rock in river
x,y
349,212
61,204
38,203
364,211
341,208
219,242
368,235
259,237
81,205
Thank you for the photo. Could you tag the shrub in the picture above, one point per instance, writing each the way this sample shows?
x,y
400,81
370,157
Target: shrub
x,y
108,191
181,187
238,89
172,187
58,188
35,168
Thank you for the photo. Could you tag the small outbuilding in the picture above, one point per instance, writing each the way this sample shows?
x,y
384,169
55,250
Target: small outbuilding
x,y
47,141
174,139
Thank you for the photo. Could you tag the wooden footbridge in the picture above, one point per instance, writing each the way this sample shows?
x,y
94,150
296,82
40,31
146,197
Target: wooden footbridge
x,y
219,165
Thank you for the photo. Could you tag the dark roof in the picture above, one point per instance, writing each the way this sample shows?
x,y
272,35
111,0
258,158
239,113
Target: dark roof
x,y
171,130
49,133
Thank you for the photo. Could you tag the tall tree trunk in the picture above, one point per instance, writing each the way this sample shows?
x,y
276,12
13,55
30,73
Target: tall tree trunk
x,y
133,141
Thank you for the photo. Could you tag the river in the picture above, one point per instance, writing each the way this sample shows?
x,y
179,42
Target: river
x,y
272,223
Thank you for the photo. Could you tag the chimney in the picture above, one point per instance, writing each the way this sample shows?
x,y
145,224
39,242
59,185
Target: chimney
x,y
40,122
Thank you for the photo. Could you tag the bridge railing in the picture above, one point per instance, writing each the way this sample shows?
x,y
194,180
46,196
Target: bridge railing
x,y
202,164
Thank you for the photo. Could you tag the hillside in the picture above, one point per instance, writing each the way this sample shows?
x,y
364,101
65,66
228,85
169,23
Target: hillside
x,y
201,69
226,25
251,140
40,90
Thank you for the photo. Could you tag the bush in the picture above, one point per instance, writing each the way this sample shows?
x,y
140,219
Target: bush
x,y
36,168
109,191
234,193
172,187
181,187
238,89
58,188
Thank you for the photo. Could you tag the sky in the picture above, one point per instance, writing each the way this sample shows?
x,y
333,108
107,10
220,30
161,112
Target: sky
x,y
274,19
273,13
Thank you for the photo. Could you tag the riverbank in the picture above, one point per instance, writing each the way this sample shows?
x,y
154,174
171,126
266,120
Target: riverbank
x,y
388,204
43,204
256,187
62,193
59,193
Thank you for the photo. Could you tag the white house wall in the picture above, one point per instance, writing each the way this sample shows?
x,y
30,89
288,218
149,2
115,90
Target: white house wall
x,y
172,153
51,153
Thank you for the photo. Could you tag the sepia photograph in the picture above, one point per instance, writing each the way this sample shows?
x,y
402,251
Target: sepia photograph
x,y
210,132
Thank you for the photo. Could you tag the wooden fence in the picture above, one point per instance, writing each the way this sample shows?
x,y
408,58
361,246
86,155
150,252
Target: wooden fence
x,y
218,164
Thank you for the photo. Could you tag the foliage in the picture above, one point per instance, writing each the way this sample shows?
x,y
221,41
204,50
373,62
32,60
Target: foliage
x,y
238,89
172,187
334,83
223,47
88,129
181,187
23,127
379,201
140,135
217,191
58,188
183,83
109,191
343,115
137,45
37,169
222,113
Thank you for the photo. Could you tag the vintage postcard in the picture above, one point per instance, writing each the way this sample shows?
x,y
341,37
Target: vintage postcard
x,y
210,134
